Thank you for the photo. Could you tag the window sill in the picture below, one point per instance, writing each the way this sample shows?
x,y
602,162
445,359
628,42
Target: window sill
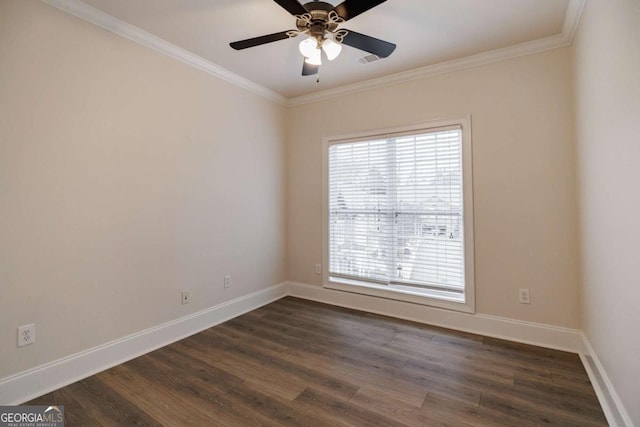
x,y
440,299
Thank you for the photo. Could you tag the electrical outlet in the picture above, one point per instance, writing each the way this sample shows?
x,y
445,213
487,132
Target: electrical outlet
x,y
318,268
26,335
227,281
186,297
525,298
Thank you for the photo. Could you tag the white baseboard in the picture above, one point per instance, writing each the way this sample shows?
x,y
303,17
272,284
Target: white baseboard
x,y
548,336
614,410
43,379
513,330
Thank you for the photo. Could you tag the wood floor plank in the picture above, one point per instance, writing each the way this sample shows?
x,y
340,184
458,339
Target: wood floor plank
x,y
342,411
556,397
547,413
107,406
300,363
176,360
352,373
454,411
261,377
292,354
443,386
557,391
377,355
266,332
249,396
301,371
472,375
281,411
501,356
165,404
577,381
387,405
410,392
363,319
437,355
335,326
519,351
74,411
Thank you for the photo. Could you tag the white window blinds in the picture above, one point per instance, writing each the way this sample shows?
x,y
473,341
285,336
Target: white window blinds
x,y
396,210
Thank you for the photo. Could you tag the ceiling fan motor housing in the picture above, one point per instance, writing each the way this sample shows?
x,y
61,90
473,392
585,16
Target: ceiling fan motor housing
x,y
318,21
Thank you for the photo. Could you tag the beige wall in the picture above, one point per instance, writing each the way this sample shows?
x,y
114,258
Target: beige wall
x,y
125,177
147,177
607,72
524,183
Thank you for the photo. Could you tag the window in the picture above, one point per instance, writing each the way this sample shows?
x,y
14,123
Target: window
x,y
399,215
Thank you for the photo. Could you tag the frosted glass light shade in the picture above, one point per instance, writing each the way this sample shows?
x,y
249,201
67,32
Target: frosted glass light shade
x,y
308,47
331,48
315,58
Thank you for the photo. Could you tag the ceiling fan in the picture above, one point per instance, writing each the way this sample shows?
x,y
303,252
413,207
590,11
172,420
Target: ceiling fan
x,y
320,21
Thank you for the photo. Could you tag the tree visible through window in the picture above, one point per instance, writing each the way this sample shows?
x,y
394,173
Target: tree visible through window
x,y
396,211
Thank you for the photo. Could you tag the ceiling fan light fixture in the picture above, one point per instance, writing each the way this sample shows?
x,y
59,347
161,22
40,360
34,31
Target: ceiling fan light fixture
x,y
308,47
318,22
331,48
315,58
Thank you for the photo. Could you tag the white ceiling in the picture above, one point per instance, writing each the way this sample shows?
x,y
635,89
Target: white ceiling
x,y
427,32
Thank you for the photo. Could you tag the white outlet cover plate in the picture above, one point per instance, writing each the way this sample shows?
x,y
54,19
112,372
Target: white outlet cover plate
x,y
26,335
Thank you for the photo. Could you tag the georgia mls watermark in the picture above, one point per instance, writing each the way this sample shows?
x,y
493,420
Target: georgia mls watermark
x,y
31,416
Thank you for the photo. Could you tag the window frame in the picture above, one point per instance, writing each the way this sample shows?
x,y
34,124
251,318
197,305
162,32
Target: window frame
x,y
442,300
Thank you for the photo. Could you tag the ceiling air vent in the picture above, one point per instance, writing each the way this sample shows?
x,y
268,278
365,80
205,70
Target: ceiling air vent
x,y
367,59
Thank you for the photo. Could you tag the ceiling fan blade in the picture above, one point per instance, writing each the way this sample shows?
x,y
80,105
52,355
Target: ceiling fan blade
x,y
308,69
351,8
292,6
257,41
369,44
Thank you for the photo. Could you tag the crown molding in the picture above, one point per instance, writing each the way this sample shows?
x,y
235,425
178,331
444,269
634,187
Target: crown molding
x,y
572,18
104,20
95,16
565,38
433,70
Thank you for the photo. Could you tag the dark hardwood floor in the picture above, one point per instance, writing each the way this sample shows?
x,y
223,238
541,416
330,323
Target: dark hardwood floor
x,y
296,362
